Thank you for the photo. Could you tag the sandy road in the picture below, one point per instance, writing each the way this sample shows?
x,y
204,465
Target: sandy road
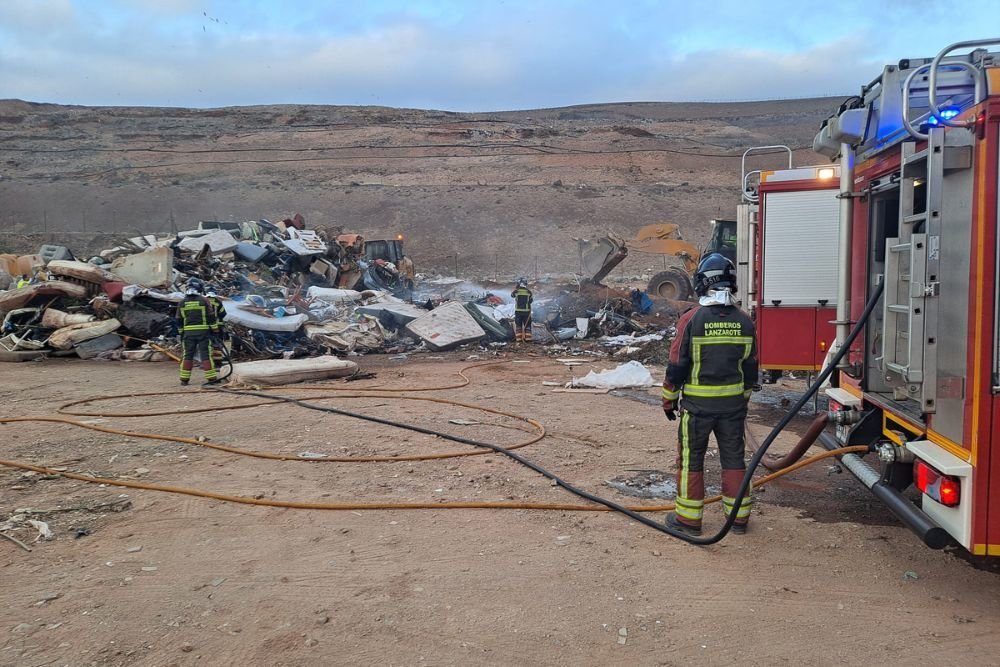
x,y
821,578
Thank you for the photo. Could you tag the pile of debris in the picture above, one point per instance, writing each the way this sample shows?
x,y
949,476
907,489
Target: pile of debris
x,y
288,292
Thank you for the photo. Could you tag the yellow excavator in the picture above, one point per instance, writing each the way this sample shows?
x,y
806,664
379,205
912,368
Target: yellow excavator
x,y
599,257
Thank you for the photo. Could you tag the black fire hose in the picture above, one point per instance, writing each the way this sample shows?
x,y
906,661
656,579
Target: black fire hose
x,y
744,488
219,343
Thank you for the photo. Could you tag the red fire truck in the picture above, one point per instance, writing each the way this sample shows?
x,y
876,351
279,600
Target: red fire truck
x,y
917,248
787,234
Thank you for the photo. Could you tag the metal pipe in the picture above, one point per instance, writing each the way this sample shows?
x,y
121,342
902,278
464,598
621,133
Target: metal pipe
x,y
933,535
907,123
759,149
751,286
844,257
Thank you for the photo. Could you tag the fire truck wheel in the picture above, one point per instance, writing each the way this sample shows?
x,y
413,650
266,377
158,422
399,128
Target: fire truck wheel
x,y
670,284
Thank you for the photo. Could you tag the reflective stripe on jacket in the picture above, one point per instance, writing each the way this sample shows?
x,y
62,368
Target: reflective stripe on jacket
x,y
220,310
522,300
194,314
713,360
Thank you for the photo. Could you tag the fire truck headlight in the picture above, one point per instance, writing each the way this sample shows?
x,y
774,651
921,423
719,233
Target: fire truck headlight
x,y
825,172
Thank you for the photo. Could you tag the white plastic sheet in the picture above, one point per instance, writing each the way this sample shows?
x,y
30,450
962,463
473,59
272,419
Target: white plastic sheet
x,y
617,341
630,374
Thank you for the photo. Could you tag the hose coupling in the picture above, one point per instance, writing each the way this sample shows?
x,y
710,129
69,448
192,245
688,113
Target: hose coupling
x,y
890,452
843,417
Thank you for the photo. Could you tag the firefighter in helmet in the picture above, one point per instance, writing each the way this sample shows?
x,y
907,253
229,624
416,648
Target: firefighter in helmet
x,y
212,296
522,311
711,371
198,325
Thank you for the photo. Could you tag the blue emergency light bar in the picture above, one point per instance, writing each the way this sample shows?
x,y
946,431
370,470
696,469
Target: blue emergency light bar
x,y
947,113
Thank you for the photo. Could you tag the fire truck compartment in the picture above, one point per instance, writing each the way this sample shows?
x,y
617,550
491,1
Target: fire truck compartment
x,y
794,338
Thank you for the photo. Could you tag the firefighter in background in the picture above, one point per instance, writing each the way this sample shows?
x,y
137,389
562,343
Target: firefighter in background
x,y
522,311
219,334
212,296
23,281
712,370
198,325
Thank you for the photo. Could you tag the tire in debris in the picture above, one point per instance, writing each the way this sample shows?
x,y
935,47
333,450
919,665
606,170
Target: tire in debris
x,y
670,284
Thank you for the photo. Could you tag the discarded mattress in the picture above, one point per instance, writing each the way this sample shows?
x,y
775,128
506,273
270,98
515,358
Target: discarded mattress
x,y
288,371
217,242
447,326
56,319
133,355
17,298
245,318
90,349
67,337
152,268
88,273
365,335
494,329
332,295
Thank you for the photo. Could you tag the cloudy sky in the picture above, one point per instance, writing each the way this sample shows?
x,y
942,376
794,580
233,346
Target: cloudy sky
x,y
463,55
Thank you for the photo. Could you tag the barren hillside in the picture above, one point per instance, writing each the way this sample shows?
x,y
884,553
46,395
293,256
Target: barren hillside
x,y
491,192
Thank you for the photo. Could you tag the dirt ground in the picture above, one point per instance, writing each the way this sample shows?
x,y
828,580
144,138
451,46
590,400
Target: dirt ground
x,y
825,575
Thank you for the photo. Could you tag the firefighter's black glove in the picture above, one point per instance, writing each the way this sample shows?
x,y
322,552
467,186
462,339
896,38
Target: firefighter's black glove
x,y
671,414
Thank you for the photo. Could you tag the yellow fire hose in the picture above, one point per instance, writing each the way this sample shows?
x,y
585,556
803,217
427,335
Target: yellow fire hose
x,y
538,428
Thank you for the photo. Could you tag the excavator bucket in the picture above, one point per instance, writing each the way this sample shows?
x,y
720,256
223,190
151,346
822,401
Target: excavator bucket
x,y
598,257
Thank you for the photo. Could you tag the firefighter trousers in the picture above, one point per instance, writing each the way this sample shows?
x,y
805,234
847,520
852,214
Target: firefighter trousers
x,y
692,445
201,344
522,326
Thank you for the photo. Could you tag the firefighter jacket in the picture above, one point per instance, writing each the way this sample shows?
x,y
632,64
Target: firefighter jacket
x,y
522,300
713,361
220,310
195,315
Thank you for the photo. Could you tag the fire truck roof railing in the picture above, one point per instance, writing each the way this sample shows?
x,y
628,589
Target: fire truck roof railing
x,y
908,97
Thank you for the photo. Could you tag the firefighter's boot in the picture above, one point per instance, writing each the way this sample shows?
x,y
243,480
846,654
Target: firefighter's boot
x,y
731,481
674,522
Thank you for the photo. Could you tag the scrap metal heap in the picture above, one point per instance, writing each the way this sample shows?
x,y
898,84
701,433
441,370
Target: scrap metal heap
x,y
288,292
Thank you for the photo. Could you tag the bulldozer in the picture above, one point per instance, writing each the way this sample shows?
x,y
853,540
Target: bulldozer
x,y
600,256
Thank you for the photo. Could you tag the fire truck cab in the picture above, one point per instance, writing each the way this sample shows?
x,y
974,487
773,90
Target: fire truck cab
x,y
917,206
